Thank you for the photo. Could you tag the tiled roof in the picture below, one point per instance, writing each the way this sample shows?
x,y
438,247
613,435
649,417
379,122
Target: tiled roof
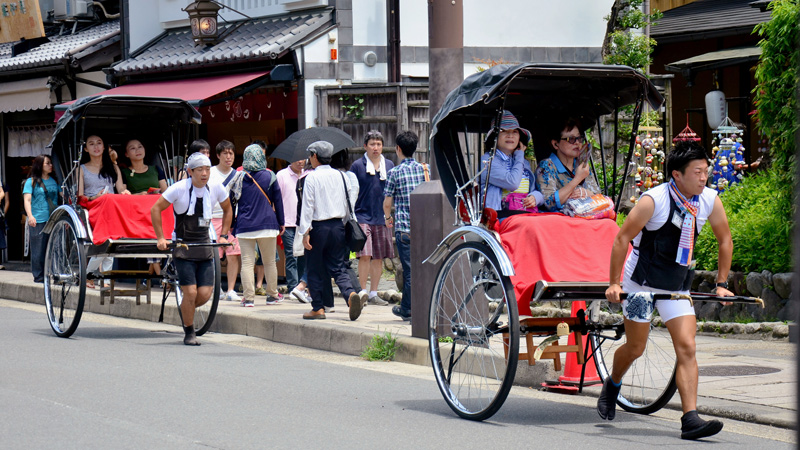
x,y
53,52
258,39
709,18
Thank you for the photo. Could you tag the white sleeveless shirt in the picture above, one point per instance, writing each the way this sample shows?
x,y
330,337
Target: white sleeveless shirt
x,y
662,199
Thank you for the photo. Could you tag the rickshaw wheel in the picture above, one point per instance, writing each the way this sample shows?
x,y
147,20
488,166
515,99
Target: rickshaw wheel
x,y
650,382
64,278
472,307
204,315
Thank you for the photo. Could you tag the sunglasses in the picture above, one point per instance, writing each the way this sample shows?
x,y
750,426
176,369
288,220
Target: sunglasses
x,y
574,139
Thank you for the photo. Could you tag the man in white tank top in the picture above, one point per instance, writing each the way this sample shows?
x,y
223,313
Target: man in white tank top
x,y
668,216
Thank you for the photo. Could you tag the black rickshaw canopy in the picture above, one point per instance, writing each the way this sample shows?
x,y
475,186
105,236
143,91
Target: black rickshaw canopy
x,y
538,95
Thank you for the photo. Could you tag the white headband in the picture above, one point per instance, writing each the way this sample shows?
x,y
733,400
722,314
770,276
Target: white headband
x,y
198,160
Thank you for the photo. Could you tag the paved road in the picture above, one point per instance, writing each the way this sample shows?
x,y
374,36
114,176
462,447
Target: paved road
x,y
129,384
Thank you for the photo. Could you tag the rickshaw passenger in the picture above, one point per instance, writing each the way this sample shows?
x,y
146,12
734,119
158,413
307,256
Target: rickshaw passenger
x,y
511,182
560,175
195,265
663,227
143,179
97,176
40,196
139,177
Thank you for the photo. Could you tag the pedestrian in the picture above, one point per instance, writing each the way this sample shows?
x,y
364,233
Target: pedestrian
x,y
402,180
371,172
197,146
97,176
259,220
196,198
326,194
663,227
40,198
223,174
295,266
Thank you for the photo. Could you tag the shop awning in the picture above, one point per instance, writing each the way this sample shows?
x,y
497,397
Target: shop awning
x,y
24,95
714,60
193,90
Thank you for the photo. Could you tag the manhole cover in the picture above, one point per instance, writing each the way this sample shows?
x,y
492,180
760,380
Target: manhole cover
x,y
735,371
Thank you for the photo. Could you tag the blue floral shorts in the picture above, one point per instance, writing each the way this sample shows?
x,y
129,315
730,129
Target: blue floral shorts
x,y
639,306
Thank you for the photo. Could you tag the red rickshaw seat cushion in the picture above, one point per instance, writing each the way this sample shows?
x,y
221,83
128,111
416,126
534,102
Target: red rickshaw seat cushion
x,y
115,216
555,247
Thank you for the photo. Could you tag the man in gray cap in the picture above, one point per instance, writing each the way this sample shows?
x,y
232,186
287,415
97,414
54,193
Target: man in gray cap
x,y
193,199
325,196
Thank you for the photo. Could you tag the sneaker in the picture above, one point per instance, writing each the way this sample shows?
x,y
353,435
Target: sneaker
x,y
377,301
233,296
274,300
329,309
248,303
300,296
261,291
399,312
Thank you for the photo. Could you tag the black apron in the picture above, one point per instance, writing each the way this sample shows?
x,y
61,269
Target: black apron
x,y
193,229
657,249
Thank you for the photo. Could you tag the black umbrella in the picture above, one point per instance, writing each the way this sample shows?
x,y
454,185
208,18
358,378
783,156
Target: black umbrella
x,y
294,147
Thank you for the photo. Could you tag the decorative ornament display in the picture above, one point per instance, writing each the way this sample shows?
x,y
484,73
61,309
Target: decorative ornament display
x,y
649,160
728,155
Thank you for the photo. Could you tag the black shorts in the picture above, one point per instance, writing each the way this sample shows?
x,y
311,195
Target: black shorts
x,y
198,273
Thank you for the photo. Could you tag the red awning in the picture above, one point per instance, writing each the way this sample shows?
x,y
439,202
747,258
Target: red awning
x,y
191,90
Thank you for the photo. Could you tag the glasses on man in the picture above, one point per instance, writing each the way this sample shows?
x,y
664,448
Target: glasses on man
x,y
574,139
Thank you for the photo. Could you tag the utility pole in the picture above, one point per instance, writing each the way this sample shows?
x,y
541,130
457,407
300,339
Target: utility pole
x,y
445,55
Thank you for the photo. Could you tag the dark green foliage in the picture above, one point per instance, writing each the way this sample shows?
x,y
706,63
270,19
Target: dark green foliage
x,y
777,78
759,211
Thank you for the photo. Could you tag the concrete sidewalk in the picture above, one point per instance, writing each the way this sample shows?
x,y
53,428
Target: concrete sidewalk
x,y
750,380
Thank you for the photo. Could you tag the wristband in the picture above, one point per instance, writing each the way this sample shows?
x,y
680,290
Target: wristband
x,y
723,284
224,236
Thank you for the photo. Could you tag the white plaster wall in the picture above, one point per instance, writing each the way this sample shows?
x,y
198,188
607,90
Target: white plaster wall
x,y
145,20
369,22
535,23
414,23
364,73
85,90
319,50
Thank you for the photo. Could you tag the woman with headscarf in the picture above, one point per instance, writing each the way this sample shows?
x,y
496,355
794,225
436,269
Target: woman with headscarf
x,y
259,221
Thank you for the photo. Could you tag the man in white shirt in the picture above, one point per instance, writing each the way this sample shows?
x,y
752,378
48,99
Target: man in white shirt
x,y
325,196
295,266
222,174
192,200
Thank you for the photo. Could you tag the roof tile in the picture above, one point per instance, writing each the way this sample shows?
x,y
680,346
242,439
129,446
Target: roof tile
x,y
256,39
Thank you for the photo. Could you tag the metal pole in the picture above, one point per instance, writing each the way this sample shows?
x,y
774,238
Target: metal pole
x,y
445,54
393,40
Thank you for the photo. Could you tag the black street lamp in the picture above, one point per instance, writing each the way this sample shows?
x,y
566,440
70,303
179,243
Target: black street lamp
x,y
203,18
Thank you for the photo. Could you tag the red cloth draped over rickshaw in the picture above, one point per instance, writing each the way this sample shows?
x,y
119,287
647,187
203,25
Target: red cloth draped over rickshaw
x,y
114,216
555,247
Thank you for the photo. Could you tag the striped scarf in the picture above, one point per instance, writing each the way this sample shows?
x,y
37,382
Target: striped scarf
x,y
689,210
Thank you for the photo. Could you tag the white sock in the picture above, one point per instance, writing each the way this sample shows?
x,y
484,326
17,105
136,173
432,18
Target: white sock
x,y
373,293
363,291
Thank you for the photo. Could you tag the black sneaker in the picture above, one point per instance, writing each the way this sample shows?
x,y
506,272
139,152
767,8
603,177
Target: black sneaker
x,y
693,427
607,402
399,312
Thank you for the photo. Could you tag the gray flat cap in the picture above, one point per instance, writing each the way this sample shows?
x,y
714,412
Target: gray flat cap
x,y
323,149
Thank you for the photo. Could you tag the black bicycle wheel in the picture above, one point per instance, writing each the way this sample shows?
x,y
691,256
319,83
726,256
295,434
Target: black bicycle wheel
x,y
650,382
64,278
473,332
204,315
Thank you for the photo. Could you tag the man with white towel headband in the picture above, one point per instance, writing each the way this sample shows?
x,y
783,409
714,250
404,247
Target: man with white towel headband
x,y
193,200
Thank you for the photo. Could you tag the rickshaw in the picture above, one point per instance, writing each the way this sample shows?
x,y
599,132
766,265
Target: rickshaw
x,y
474,323
167,125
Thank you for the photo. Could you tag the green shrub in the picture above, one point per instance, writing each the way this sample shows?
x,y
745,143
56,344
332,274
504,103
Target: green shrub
x,y
759,212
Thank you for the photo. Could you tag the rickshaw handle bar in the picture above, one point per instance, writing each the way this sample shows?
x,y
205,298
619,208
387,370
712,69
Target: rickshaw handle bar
x,y
577,295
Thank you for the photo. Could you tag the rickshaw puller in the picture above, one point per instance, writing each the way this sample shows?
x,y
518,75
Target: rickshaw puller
x,y
663,227
195,265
